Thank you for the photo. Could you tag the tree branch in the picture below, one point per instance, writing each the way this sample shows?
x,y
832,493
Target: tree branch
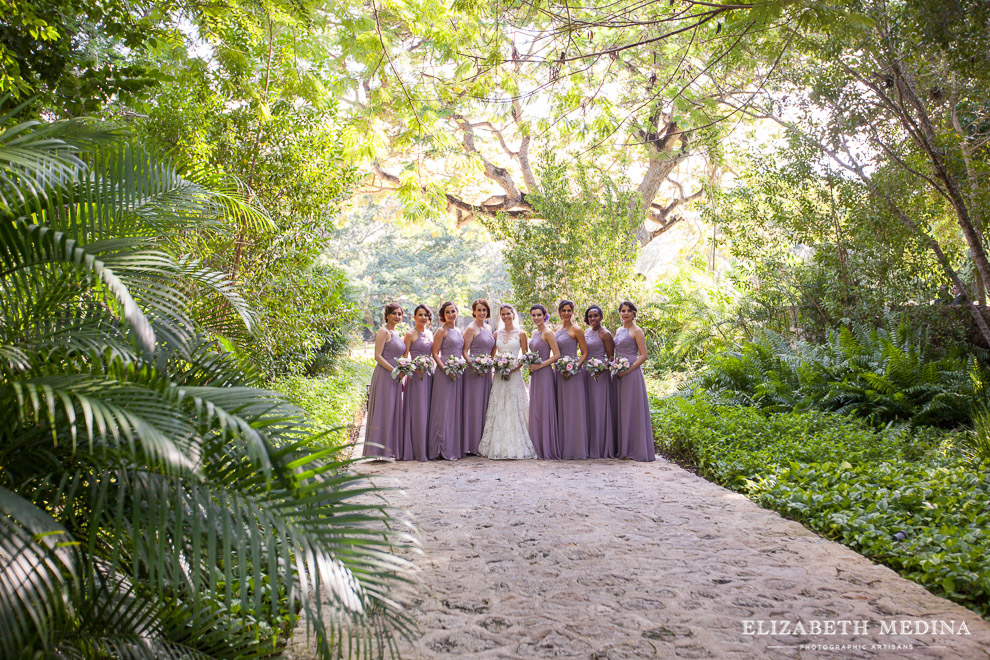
x,y
466,211
499,175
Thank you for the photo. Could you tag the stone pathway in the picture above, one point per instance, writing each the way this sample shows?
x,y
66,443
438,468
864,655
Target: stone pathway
x,y
610,559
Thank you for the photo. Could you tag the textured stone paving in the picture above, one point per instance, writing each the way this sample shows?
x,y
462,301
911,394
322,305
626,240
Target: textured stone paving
x,y
610,559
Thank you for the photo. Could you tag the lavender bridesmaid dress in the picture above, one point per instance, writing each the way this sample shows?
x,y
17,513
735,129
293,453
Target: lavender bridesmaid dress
x,y
601,428
572,412
416,407
445,403
385,404
632,407
476,392
543,404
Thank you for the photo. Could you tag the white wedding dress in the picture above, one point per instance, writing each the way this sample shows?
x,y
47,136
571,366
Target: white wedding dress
x,y
506,433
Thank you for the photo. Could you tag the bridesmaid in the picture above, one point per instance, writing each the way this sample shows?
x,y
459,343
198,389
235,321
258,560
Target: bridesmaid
x,y
572,414
632,407
419,386
478,340
448,391
384,430
543,388
601,429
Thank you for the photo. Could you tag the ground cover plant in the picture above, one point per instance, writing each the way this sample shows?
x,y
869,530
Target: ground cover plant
x,y
910,498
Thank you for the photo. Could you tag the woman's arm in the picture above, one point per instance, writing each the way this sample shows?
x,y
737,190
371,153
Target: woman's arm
x,y
582,343
468,336
380,340
609,343
524,345
408,341
551,340
437,344
640,338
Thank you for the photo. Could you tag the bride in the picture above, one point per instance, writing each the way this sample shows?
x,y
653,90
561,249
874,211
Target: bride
x,y
506,433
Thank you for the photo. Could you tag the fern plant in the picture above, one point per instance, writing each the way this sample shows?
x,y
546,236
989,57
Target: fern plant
x,y
153,501
885,375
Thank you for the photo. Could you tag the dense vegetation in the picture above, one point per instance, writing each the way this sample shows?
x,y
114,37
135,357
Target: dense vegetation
x,y
881,375
155,500
333,401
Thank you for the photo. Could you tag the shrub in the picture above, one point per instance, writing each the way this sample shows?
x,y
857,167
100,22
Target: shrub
x,y
694,317
331,401
307,317
883,375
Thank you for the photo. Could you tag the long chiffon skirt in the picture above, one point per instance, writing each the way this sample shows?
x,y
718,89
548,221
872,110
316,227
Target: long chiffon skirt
x,y
477,390
416,418
446,401
635,431
383,432
543,413
572,415
601,427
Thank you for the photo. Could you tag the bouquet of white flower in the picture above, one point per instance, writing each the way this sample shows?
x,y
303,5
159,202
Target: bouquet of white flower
x,y
568,366
531,357
454,365
596,367
424,365
618,365
504,364
403,367
482,363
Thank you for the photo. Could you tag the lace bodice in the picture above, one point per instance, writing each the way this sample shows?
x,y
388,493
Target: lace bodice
x,y
596,347
625,345
509,342
422,345
567,344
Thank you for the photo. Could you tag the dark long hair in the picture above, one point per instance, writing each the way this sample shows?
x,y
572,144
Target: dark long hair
x,y
443,311
600,312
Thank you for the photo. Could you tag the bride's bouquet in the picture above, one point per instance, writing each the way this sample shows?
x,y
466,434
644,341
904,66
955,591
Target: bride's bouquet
x,y
454,365
482,364
403,367
596,367
530,358
504,364
618,365
568,366
424,365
